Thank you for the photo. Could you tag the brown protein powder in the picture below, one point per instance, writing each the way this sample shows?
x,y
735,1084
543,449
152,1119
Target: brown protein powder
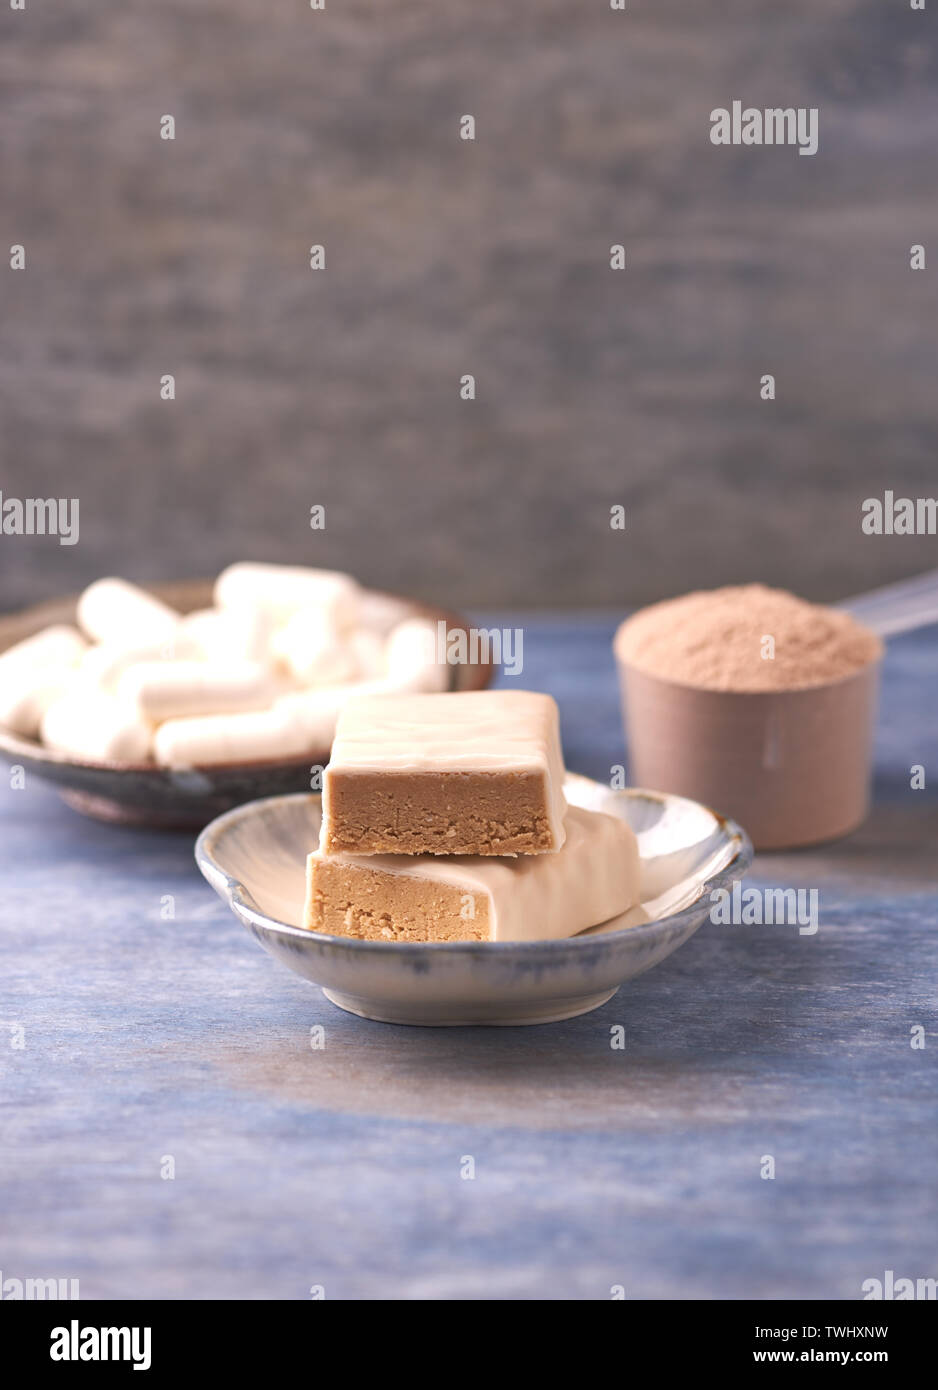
x,y
746,638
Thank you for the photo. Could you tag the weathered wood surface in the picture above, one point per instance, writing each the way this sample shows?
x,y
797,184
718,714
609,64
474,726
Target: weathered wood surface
x,y
146,1037
190,257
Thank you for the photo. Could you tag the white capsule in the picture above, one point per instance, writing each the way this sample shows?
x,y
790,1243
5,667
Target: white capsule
x,y
285,589
380,612
104,664
111,610
316,712
182,689
259,736
33,674
411,658
242,634
203,628
313,651
368,649
95,727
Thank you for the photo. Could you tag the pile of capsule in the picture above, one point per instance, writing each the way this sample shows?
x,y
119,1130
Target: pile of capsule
x,y
261,676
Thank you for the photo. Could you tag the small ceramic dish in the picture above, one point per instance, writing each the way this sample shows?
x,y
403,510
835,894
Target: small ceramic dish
x,y
143,794
255,859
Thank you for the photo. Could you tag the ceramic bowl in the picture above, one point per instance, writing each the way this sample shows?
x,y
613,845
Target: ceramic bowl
x,y
255,859
143,794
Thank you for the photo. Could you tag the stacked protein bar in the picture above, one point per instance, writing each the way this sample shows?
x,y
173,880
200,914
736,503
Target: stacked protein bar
x,y
444,819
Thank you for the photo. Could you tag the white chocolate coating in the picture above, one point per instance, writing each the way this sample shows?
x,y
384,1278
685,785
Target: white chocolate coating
x,y
469,731
533,897
33,674
111,610
477,731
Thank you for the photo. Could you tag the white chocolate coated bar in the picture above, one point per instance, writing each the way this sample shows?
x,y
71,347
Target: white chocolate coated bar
x,y
437,898
477,772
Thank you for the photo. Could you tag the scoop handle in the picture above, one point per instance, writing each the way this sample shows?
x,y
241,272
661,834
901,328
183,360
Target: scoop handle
x,y
901,607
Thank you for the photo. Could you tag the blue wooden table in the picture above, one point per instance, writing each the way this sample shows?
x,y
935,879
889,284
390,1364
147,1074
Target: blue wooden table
x,y
135,1044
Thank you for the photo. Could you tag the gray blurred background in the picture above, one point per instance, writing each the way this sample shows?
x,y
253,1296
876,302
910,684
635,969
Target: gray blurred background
x,y
444,257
